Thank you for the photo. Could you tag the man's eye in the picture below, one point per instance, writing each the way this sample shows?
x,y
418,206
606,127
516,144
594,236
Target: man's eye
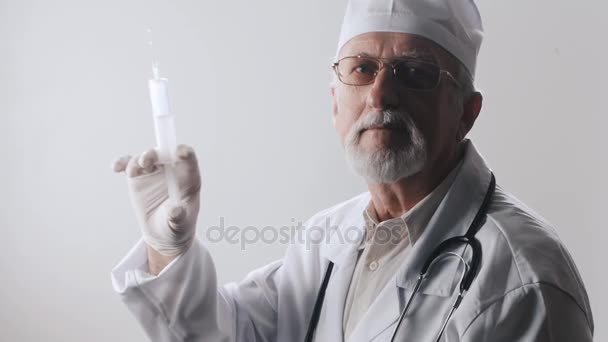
x,y
365,69
415,71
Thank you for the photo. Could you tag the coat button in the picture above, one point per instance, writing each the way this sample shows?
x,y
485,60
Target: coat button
x,y
373,265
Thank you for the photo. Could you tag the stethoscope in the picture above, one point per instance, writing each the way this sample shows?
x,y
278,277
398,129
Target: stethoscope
x,y
468,274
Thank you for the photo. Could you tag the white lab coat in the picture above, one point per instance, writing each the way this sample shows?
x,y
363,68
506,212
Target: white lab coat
x,y
527,289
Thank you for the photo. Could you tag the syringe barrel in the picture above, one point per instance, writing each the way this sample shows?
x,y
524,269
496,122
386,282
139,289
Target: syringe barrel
x,y
164,124
165,138
159,96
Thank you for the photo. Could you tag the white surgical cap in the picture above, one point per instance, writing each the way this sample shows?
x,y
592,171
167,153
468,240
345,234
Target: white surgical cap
x,y
453,24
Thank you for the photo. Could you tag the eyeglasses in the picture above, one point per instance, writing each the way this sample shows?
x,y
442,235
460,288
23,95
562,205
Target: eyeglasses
x,y
412,73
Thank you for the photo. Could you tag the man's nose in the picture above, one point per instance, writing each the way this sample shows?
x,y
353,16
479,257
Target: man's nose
x,y
383,94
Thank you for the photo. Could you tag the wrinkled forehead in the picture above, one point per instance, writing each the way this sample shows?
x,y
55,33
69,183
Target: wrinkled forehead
x,y
395,45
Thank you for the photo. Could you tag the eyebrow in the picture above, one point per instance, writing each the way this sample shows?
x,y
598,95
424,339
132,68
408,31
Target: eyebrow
x,y
412,53
419,54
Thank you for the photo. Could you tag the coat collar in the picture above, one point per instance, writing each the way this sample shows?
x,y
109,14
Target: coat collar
x,y
415,220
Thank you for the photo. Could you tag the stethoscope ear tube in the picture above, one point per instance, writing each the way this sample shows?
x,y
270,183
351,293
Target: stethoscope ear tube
x,y
478,221
452,243
473,267
316,312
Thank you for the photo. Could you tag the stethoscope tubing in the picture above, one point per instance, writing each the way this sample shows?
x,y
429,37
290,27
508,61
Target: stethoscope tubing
x,y
468,276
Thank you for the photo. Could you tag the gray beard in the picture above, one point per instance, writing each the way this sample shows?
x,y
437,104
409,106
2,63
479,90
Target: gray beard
x,y
390,164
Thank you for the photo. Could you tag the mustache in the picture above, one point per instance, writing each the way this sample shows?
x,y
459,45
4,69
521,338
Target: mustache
x,y
384,119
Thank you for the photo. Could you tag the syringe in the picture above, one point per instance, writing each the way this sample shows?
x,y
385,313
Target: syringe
x,y
164,127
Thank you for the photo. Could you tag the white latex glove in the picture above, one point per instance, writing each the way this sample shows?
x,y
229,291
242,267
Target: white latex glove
x,y
168,230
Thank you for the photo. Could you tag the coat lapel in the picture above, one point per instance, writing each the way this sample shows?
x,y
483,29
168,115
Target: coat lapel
x,y
342,250
381,315
330,324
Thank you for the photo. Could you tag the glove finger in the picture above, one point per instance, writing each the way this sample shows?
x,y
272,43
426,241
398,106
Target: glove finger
x,y
120,164
133,168
185,153
176,217
187,170
148,160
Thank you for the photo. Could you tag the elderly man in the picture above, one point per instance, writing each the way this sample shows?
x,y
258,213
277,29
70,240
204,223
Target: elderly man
x,y
403,102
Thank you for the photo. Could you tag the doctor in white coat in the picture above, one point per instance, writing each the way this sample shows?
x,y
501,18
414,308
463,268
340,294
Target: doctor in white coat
x,y
403,102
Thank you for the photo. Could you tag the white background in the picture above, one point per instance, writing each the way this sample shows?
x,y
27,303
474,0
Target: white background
x,y
249,82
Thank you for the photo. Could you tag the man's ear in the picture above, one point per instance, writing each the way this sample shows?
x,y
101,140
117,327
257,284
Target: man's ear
x,y
334,104
471,109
